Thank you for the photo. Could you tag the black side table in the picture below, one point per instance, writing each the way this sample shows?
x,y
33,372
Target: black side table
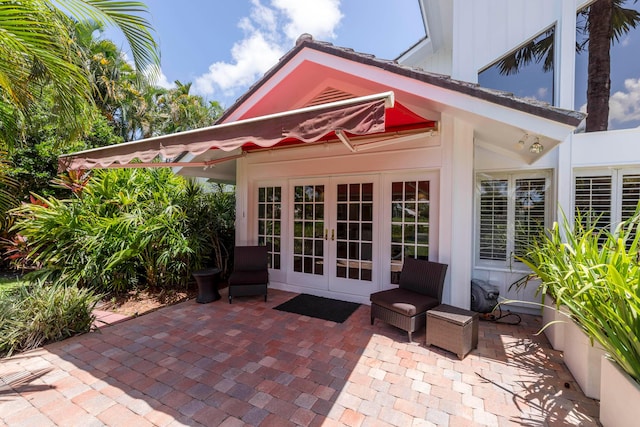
x,y
207,285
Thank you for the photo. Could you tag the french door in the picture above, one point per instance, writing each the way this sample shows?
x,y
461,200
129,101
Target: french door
x,y
334,234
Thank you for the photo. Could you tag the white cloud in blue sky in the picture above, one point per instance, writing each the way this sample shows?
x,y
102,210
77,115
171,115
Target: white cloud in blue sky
x,y
624,106
162,80
269,31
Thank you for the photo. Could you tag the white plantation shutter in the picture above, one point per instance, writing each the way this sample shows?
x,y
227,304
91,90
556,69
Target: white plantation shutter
x,y
494,203
592,200
630,195
512,212
530,198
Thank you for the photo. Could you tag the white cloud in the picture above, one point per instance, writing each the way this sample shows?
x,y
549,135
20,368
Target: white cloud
x,y
625,106
163,81
318,18
251,58
541,93
269,32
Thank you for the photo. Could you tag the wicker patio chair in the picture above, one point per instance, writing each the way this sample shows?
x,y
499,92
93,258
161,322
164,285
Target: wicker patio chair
x,y
250,272
419,290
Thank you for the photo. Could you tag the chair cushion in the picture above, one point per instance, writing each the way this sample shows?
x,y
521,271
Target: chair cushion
x,y
404,301
248,277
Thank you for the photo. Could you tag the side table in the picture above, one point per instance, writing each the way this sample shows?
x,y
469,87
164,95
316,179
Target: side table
x,y
453,329
207,285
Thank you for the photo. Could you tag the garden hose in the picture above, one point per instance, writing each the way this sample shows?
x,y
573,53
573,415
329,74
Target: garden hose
x,y
493,317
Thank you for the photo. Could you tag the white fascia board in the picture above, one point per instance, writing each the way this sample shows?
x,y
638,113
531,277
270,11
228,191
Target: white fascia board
x,y
449,99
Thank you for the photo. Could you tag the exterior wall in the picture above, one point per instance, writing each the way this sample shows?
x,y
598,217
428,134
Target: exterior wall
x,y
469,35
488,162
438,60
482,31
421,159
456,222
486,30
610,152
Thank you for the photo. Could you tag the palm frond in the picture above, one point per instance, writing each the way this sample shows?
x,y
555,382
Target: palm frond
x,y
128,17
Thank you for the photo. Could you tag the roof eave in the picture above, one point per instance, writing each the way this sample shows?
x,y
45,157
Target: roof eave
x,y
567,117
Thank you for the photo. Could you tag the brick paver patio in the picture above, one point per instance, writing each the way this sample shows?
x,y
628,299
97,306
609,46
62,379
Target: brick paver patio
x,y
247,364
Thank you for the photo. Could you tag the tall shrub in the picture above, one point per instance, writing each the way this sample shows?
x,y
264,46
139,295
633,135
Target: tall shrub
x,y
596,275
128,227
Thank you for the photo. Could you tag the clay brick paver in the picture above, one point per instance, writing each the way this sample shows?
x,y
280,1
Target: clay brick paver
x,y
247,364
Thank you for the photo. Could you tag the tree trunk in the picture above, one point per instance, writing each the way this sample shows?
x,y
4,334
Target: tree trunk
x,y
599,69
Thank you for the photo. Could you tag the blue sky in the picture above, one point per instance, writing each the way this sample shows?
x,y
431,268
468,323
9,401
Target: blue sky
x,y
222,47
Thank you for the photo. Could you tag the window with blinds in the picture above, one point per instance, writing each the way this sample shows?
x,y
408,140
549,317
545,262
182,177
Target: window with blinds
x,y
630,195
512,212
604,201
493,219
529,213
592,200
630,198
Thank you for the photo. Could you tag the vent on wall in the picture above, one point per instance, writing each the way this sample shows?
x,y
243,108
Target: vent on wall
x,y
329,95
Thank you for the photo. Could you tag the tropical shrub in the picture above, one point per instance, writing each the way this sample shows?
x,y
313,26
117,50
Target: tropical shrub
x,y
596,275
126,228
37,314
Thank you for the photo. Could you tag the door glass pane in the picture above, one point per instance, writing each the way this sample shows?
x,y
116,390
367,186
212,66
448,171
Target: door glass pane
x,y
342,193
308,229
354,224
367,211
269,206
409,223
354,192
341,231
367,192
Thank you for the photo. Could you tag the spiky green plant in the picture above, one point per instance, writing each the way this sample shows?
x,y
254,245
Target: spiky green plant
x,y
595,274
37,314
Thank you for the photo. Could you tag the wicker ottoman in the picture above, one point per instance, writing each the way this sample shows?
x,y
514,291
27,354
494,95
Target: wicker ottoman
x,y
453,329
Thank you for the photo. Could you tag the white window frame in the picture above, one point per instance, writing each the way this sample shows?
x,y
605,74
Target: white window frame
x,y
274,275
510,263
617,178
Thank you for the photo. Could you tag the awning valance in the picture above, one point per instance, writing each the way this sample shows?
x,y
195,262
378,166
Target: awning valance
x,y
357,116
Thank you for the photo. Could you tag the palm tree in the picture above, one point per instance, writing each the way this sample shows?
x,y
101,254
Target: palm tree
x,y
8,187
37,48
606,21
106,65
603,23
179,111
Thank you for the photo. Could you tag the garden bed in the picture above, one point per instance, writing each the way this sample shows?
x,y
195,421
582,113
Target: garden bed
x,y
138,302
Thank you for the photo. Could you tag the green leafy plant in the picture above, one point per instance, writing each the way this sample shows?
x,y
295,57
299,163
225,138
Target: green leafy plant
x,y
33,315
126,228
595,274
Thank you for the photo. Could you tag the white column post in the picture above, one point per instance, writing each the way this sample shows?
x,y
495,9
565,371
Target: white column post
x,y
565,72
242,195
456,209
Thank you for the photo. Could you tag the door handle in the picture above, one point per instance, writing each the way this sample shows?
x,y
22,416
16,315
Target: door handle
x,y
333,234
326,234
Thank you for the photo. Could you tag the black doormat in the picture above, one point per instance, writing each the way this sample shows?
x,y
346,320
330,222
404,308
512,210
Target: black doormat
x,y
319,307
